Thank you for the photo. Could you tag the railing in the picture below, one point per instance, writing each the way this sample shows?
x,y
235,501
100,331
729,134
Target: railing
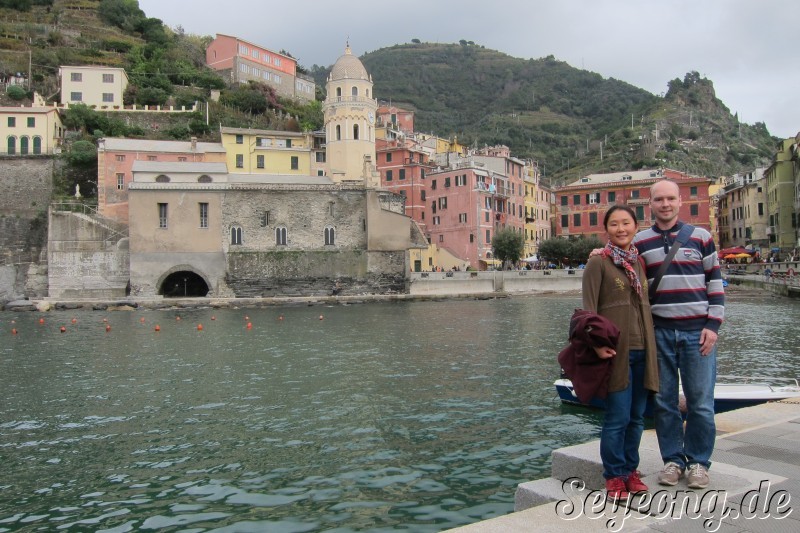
x,y
117,229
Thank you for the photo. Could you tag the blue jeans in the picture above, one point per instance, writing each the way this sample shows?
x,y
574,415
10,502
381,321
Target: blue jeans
x,y
679,354
623,422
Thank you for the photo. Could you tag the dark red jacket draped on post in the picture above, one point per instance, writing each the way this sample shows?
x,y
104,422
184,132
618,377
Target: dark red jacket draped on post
x,y
589,374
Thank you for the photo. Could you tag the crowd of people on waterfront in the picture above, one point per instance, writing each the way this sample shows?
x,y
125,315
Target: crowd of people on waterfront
x,y
655,329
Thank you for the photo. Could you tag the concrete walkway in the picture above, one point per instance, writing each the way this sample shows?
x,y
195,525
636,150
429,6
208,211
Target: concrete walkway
x,y
755,485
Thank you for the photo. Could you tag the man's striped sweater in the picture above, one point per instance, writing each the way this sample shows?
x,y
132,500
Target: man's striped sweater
x,y
690,295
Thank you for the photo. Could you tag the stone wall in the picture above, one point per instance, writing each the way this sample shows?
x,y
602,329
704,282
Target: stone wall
x,y
26,185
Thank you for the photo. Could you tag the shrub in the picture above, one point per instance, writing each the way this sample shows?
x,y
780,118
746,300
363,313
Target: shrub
x,y
15,92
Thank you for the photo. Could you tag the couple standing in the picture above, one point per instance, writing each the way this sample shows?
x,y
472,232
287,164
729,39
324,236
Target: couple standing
x,y
670,334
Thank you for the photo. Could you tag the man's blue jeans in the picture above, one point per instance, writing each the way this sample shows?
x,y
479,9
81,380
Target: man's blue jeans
x,y
679,355
623,422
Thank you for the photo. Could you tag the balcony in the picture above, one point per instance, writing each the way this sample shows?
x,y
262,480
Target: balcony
x,y
771,230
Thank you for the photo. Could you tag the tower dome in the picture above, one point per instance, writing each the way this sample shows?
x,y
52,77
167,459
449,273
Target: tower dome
x,y
348,66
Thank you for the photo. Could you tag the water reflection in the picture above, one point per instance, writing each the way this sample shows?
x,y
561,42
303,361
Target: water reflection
x,y
423,415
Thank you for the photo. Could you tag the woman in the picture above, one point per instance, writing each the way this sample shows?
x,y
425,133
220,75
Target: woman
x,y
615,287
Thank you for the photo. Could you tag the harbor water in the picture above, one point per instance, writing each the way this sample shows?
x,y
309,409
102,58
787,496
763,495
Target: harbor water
x,y
375,417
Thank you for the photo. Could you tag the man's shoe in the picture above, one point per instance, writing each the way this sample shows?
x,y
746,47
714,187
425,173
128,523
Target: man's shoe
x,y
670,475
697,477
615,490
634,483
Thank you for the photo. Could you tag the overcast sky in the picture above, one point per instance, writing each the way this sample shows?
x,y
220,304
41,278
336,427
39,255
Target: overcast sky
x,y
749,49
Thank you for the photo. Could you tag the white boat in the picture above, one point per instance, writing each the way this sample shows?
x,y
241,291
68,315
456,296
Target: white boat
x,y
730,392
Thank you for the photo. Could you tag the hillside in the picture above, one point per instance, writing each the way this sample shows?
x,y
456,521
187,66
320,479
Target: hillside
x,y
546,110
573,122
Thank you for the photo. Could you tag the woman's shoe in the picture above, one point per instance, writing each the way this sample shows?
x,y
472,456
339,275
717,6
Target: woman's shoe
x,y
634,483
615,490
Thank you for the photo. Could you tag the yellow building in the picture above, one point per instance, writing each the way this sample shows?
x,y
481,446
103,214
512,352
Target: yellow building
x,y
100,87
30,130
269,152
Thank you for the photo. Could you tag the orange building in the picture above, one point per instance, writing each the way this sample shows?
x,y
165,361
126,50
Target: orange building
x,y
581,206
241,61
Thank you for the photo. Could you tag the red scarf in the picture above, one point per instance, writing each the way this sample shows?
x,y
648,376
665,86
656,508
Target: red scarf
x,y
626,260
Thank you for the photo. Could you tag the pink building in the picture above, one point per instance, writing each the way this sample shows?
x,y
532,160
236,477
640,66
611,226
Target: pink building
x,y
115,158
403,168
240,61
472,199
395,117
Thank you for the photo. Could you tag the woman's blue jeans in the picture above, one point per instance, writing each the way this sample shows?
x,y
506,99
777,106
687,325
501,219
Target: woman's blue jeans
x,y
623,422
679,355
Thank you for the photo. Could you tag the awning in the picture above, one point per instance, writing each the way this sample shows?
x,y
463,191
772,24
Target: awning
x,y
531,259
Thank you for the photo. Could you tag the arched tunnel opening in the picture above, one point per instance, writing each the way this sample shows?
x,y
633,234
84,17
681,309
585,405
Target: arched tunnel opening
x,y
183,284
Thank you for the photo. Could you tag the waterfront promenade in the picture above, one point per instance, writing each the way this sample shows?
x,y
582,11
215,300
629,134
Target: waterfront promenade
x,y
755,485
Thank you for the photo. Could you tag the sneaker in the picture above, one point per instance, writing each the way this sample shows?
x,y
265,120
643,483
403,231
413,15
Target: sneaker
x,y
615,490
634,483
697,478
670,475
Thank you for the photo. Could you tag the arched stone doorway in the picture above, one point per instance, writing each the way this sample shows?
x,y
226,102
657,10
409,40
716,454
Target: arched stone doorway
x,y
183,284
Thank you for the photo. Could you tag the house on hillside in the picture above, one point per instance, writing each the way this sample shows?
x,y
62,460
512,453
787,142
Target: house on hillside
x,y
101,87
240,61
30,130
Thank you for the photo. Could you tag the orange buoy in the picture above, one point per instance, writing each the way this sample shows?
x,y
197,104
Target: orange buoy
x,y
249,325
321,317
141,320
158,328
105,320
213,317
62,329
177,318
41,321
280,317
246,317
108,327
74,320
13,331
199,327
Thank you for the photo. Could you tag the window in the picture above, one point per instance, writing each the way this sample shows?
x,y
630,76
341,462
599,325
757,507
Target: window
x,y
592,219
576,220
422,194
12,145
446,183
388,157
260,161
488,236
12,122
120,181
120,158
280,236
265,219
436,220
564,200
462,217
203,215
37,145
75,76
320,157
338,133
288,143
443,202
388,175
162,215
471,237
31,122
354,91
108,78
295,162
355,131
161,178
760,209
486,216
23,145
401,174
694,210
205,178
612,196
635,194
108,97
441,238
240,139
76,96
239,161
433,185
564,221
330,235
639,212
692,191
181,159
236,235
593,198
152,158
576,199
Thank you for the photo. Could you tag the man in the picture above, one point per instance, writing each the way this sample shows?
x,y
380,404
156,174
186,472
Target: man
x,y
688,309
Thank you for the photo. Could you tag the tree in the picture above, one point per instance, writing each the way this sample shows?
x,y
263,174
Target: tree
x,y
555,250
508,245
581,248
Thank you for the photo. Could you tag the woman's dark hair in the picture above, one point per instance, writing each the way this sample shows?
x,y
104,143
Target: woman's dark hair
x,y
619,207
